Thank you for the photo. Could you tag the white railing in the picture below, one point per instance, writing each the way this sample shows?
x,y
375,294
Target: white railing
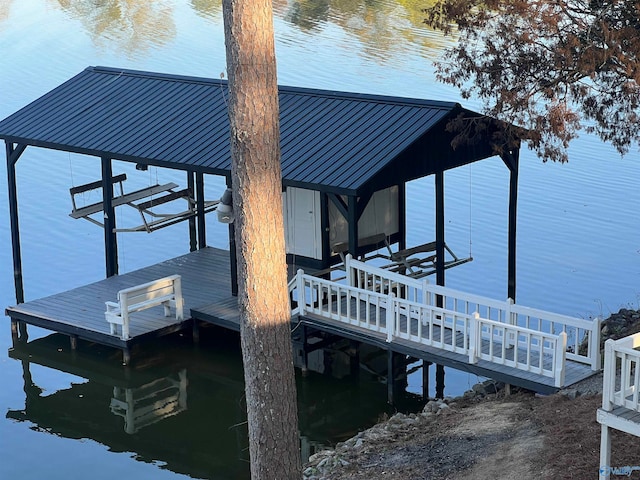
x,y
431,326
340,302
518,347
365,276
619,393
621,356
425,324
583,336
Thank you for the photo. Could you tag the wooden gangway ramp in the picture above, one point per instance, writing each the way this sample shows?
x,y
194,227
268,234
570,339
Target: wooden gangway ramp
x,y
530,348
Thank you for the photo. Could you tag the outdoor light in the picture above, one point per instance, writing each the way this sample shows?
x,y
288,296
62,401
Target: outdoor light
x,y
225,207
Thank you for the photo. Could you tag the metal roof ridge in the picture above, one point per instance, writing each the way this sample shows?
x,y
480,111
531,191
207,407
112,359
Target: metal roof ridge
x,y
379,98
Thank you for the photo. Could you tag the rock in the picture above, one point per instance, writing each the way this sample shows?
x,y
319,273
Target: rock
x,y
468,394
431,406
479,389
571,393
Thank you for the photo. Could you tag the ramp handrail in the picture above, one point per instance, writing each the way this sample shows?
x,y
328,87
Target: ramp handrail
x,y
519,347
398,318
583,336
620,355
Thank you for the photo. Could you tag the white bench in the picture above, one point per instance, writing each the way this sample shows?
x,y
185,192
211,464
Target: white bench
x,y
165,291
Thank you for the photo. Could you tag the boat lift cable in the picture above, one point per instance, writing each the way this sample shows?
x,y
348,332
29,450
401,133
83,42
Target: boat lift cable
x,y
470,208
71,169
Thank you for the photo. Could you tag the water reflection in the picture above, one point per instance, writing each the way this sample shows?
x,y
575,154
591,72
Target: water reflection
x,y
5,6
183,405
130,26
207,8
149,403
383,27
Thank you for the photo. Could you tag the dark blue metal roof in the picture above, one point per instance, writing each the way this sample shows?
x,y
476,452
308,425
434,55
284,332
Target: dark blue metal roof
x,y
332,141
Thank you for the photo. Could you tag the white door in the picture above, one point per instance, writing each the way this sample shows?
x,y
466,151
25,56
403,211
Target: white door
x,y
302,217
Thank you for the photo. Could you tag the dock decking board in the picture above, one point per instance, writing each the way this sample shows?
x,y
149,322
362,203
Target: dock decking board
x,y
80,312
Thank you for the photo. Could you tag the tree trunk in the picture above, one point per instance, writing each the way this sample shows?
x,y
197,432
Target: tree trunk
x,y
262,273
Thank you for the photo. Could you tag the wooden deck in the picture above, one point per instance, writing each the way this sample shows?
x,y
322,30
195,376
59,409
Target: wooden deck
x,y
80,312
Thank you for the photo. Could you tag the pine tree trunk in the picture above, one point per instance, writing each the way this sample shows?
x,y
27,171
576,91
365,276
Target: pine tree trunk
x,y
262,274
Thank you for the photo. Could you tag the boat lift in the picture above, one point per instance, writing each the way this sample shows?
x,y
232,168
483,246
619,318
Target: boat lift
x,y
145,201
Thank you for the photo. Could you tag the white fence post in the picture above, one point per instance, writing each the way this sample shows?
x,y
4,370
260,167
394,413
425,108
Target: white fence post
x,y
425,285
594,344
347,267
559,367
177,290
301,293
510,320
474,335
391,324
609,375
123,300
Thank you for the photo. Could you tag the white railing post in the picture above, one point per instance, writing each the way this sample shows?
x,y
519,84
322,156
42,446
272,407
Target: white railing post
x,y
594,344
510,320
347,267
177,290
424,287
123,300
609,376
559,367
390,319
301,293
474,335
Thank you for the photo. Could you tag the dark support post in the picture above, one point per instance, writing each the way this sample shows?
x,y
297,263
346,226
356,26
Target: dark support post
x,y
390,376
193,238
440,280
14,332
354,359
511,159
440,227
324,230
439,381
126,356
352,222
402,208
303,350
195,331
18,329
12,158
202,232
110,239
73,340
425,379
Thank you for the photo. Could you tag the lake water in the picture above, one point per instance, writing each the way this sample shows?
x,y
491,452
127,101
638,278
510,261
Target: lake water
x,y
578,235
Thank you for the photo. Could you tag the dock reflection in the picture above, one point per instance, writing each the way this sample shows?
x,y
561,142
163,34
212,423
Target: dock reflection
x,y
182,406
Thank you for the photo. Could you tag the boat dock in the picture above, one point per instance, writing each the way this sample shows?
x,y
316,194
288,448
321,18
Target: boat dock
x,y
333,310
340,203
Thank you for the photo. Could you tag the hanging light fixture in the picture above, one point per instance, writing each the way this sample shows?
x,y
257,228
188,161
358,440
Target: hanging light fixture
x,y
225,207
